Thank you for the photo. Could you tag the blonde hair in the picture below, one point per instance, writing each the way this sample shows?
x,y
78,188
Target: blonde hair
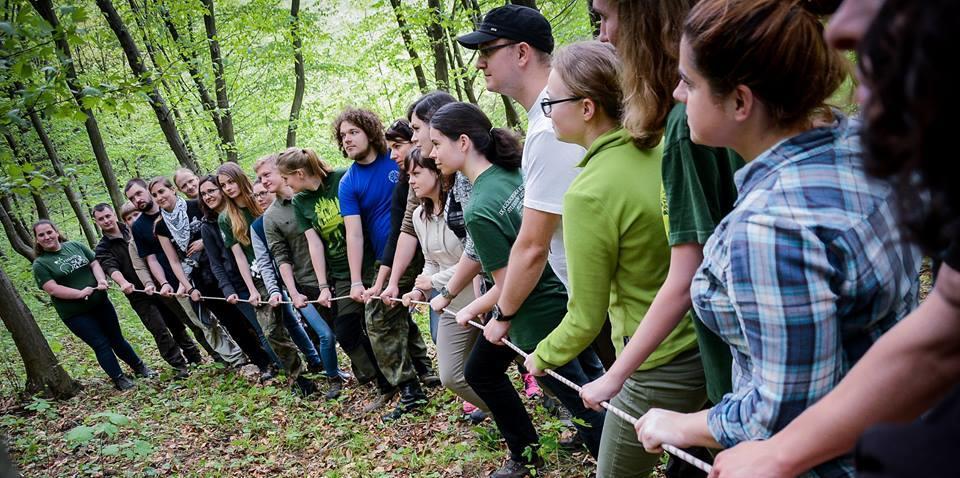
x,y
268,160
127,209
303,158
591,69
238,222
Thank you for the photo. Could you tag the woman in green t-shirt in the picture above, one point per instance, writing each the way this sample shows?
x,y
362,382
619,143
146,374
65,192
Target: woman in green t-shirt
x,y
69,272
464,140
617,253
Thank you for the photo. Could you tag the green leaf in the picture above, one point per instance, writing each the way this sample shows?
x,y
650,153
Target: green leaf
x,y
7,28
114,418
90,91
107,429
79,435
111,450
142,448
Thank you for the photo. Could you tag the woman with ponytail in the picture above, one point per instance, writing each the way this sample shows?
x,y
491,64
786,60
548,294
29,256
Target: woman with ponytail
x,y
809,269
239,211
464,140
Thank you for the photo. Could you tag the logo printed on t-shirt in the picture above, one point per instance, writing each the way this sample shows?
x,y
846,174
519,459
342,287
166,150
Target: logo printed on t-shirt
x,y
71,263
394,176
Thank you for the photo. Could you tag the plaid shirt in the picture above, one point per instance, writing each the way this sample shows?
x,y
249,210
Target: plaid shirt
x,y
800,279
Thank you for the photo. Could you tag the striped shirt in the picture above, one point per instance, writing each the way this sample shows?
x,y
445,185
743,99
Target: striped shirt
x,y
800,279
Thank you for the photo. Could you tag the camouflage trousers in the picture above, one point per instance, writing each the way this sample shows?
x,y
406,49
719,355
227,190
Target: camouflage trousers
x,y
389,330
271,323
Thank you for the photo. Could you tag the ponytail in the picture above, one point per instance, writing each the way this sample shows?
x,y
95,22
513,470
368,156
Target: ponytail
x,y
498,145
303,158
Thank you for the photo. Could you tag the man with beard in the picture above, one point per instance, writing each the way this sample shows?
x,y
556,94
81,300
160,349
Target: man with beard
x,y
208,332
365,196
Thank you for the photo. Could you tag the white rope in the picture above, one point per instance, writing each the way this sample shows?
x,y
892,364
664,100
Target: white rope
x,y
611,408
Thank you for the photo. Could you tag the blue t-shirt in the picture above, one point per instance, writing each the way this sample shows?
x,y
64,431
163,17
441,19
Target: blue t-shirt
x,y
366,190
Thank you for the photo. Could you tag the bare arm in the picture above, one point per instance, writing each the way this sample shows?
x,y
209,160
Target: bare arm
x,y
406,250
528,257
244,268
174,261
319,261
157,270
354,228
66,293
884,386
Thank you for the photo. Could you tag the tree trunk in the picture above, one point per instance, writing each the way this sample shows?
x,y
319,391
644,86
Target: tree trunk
x,y
223,103
42,211
441,69
45,9
513,120
192,67
167,123
408,43
45,375
298,71
13,231
72,197
465,76
594,19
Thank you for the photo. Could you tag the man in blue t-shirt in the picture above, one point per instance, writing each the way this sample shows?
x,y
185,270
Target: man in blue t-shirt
x,y
365,195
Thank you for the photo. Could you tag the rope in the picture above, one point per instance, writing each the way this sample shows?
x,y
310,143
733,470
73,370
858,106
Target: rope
x,y
702,465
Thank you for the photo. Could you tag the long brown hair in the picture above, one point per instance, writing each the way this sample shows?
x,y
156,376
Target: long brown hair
x,y
238,222
37,250
649,45
774,47
445,183
591,69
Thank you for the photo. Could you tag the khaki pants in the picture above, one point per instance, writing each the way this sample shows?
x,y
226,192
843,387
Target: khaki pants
x,y
678,386
454,343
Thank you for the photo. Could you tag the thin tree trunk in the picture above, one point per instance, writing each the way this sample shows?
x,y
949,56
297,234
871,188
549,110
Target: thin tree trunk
x,y
45,375
298,71
464,72
167,123
594,19
223,103
441,69
42,211
408,43
45,9
72,197
513,120
192,67
13,231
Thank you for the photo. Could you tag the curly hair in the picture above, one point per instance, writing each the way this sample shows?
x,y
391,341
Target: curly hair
x,y
908,64
367,121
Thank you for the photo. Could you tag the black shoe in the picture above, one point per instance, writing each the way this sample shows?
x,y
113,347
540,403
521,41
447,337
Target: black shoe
x,y
336,385
123,383
144,371
572,444
315,368
516,469
429,379
268,374
304,387
181,373
411,398
477,417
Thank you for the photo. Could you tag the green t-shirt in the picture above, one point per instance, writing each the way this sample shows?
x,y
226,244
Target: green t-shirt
x,y
493,220
226,228
69,267
320,210
698,192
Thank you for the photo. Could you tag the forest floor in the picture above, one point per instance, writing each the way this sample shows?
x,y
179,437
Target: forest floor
x,y
218,423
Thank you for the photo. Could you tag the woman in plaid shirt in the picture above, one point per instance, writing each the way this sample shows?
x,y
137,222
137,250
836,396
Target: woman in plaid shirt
x,y
809,269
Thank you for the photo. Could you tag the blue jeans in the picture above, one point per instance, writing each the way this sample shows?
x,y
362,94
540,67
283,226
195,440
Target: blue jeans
x,y
251,315
299,335
100,329
434,317
328,344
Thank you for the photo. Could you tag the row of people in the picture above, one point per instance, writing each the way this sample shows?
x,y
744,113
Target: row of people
x,y
731,241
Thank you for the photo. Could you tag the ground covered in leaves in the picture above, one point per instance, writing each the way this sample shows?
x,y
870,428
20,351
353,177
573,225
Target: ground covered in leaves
x,y
218,423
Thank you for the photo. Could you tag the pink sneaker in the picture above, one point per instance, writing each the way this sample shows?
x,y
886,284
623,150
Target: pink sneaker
x,y
530,386
468,407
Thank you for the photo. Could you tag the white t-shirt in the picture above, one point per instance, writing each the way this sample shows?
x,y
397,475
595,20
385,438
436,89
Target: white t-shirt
x,y
549,166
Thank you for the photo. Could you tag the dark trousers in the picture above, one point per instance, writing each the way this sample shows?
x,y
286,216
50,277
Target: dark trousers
x,y
100,329
175,345
582,370
235,322
174,309
485,372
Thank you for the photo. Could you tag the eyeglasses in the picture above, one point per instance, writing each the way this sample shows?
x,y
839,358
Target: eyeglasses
x,y
209,193
546,104
486,52
260,195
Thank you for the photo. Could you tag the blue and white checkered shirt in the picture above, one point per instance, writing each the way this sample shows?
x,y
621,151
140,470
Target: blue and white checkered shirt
x,y
800,279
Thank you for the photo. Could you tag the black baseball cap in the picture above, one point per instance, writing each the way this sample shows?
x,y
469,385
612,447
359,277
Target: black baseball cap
x,y
514,22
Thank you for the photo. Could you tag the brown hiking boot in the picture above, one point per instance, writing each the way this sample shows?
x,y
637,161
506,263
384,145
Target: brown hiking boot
x,y
382,400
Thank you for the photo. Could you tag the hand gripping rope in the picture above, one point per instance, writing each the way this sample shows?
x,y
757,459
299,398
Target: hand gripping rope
x,y
612,409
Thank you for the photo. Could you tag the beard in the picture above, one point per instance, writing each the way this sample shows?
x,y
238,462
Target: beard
x,y
360,154
146,206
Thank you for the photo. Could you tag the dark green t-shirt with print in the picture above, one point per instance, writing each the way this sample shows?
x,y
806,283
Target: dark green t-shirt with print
x,y
229,239
699,191
320,210
493,221
69,267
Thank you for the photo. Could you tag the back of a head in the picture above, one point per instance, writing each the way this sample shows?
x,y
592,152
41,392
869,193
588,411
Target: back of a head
x,y
294,158
774,47
499,146
399,131
910,70
591,69
429,103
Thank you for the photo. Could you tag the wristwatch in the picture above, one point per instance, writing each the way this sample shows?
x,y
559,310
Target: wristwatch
x,y
500,316
445,293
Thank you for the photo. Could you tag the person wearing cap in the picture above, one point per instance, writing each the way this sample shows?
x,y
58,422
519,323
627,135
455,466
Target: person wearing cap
x,y
514,44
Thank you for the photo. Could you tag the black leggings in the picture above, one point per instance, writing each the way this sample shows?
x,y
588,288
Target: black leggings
x,y
235,322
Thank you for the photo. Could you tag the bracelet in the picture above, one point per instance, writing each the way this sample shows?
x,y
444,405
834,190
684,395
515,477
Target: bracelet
x,y
165,283
191,290
323,286
356,284
421,291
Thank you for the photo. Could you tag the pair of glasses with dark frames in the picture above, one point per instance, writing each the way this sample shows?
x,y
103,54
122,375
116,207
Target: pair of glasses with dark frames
x,y
546,104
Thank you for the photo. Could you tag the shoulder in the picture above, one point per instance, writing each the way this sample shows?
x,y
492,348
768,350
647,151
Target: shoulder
x,y
223,219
